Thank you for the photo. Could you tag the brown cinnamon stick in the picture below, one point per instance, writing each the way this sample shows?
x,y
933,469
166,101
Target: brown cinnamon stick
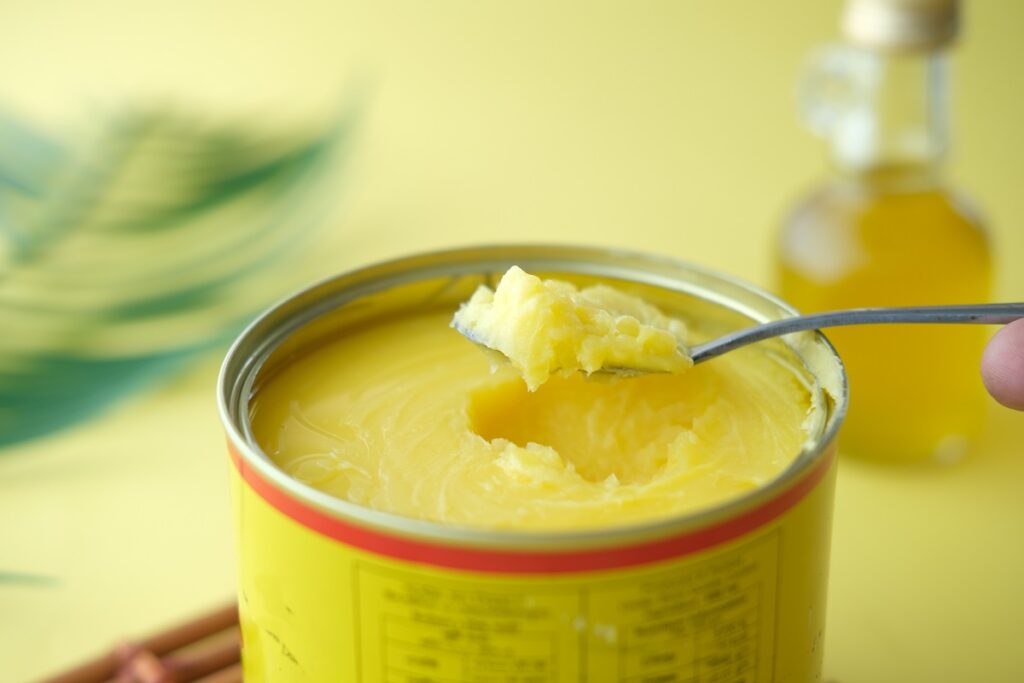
x,y
140,661
232,674
212,655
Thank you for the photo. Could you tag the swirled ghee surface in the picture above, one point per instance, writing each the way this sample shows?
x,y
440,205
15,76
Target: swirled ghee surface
x,y
406,416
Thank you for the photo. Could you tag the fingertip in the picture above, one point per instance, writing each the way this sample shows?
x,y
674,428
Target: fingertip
x,y
1002,365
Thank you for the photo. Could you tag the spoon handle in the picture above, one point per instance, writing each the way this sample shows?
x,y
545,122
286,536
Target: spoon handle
x,y
988,314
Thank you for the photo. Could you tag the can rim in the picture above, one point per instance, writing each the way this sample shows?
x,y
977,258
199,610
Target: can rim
x,y
423,265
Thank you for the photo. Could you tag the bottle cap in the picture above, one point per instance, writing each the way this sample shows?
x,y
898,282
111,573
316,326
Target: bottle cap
x,y
901,25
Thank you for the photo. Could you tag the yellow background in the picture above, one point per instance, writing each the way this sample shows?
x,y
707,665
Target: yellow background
x,y
661,126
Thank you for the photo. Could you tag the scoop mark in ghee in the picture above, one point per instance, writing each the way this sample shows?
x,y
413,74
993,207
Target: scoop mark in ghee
x,y
544,327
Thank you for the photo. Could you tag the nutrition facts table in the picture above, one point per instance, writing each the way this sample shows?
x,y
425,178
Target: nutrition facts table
x,y
705,625
703,621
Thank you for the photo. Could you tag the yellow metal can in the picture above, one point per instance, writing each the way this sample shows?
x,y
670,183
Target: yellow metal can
x,y
330,591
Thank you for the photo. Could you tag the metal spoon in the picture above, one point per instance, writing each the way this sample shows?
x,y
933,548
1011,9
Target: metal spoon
x,y
986,314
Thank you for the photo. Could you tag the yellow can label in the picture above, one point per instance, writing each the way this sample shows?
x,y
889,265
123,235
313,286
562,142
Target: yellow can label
x,y
738,601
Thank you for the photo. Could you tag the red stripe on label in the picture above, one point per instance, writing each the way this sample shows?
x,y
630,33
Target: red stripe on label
x,y
531,562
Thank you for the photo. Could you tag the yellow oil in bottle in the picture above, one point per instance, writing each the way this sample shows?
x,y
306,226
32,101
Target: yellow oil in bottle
x,y
891,237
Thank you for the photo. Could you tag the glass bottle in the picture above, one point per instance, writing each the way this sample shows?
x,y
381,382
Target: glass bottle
x,y
888,230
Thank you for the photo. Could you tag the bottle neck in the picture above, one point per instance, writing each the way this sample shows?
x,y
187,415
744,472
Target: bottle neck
x,y
887,117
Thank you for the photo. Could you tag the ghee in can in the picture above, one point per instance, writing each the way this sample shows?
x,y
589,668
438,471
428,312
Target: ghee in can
x,y
334,590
